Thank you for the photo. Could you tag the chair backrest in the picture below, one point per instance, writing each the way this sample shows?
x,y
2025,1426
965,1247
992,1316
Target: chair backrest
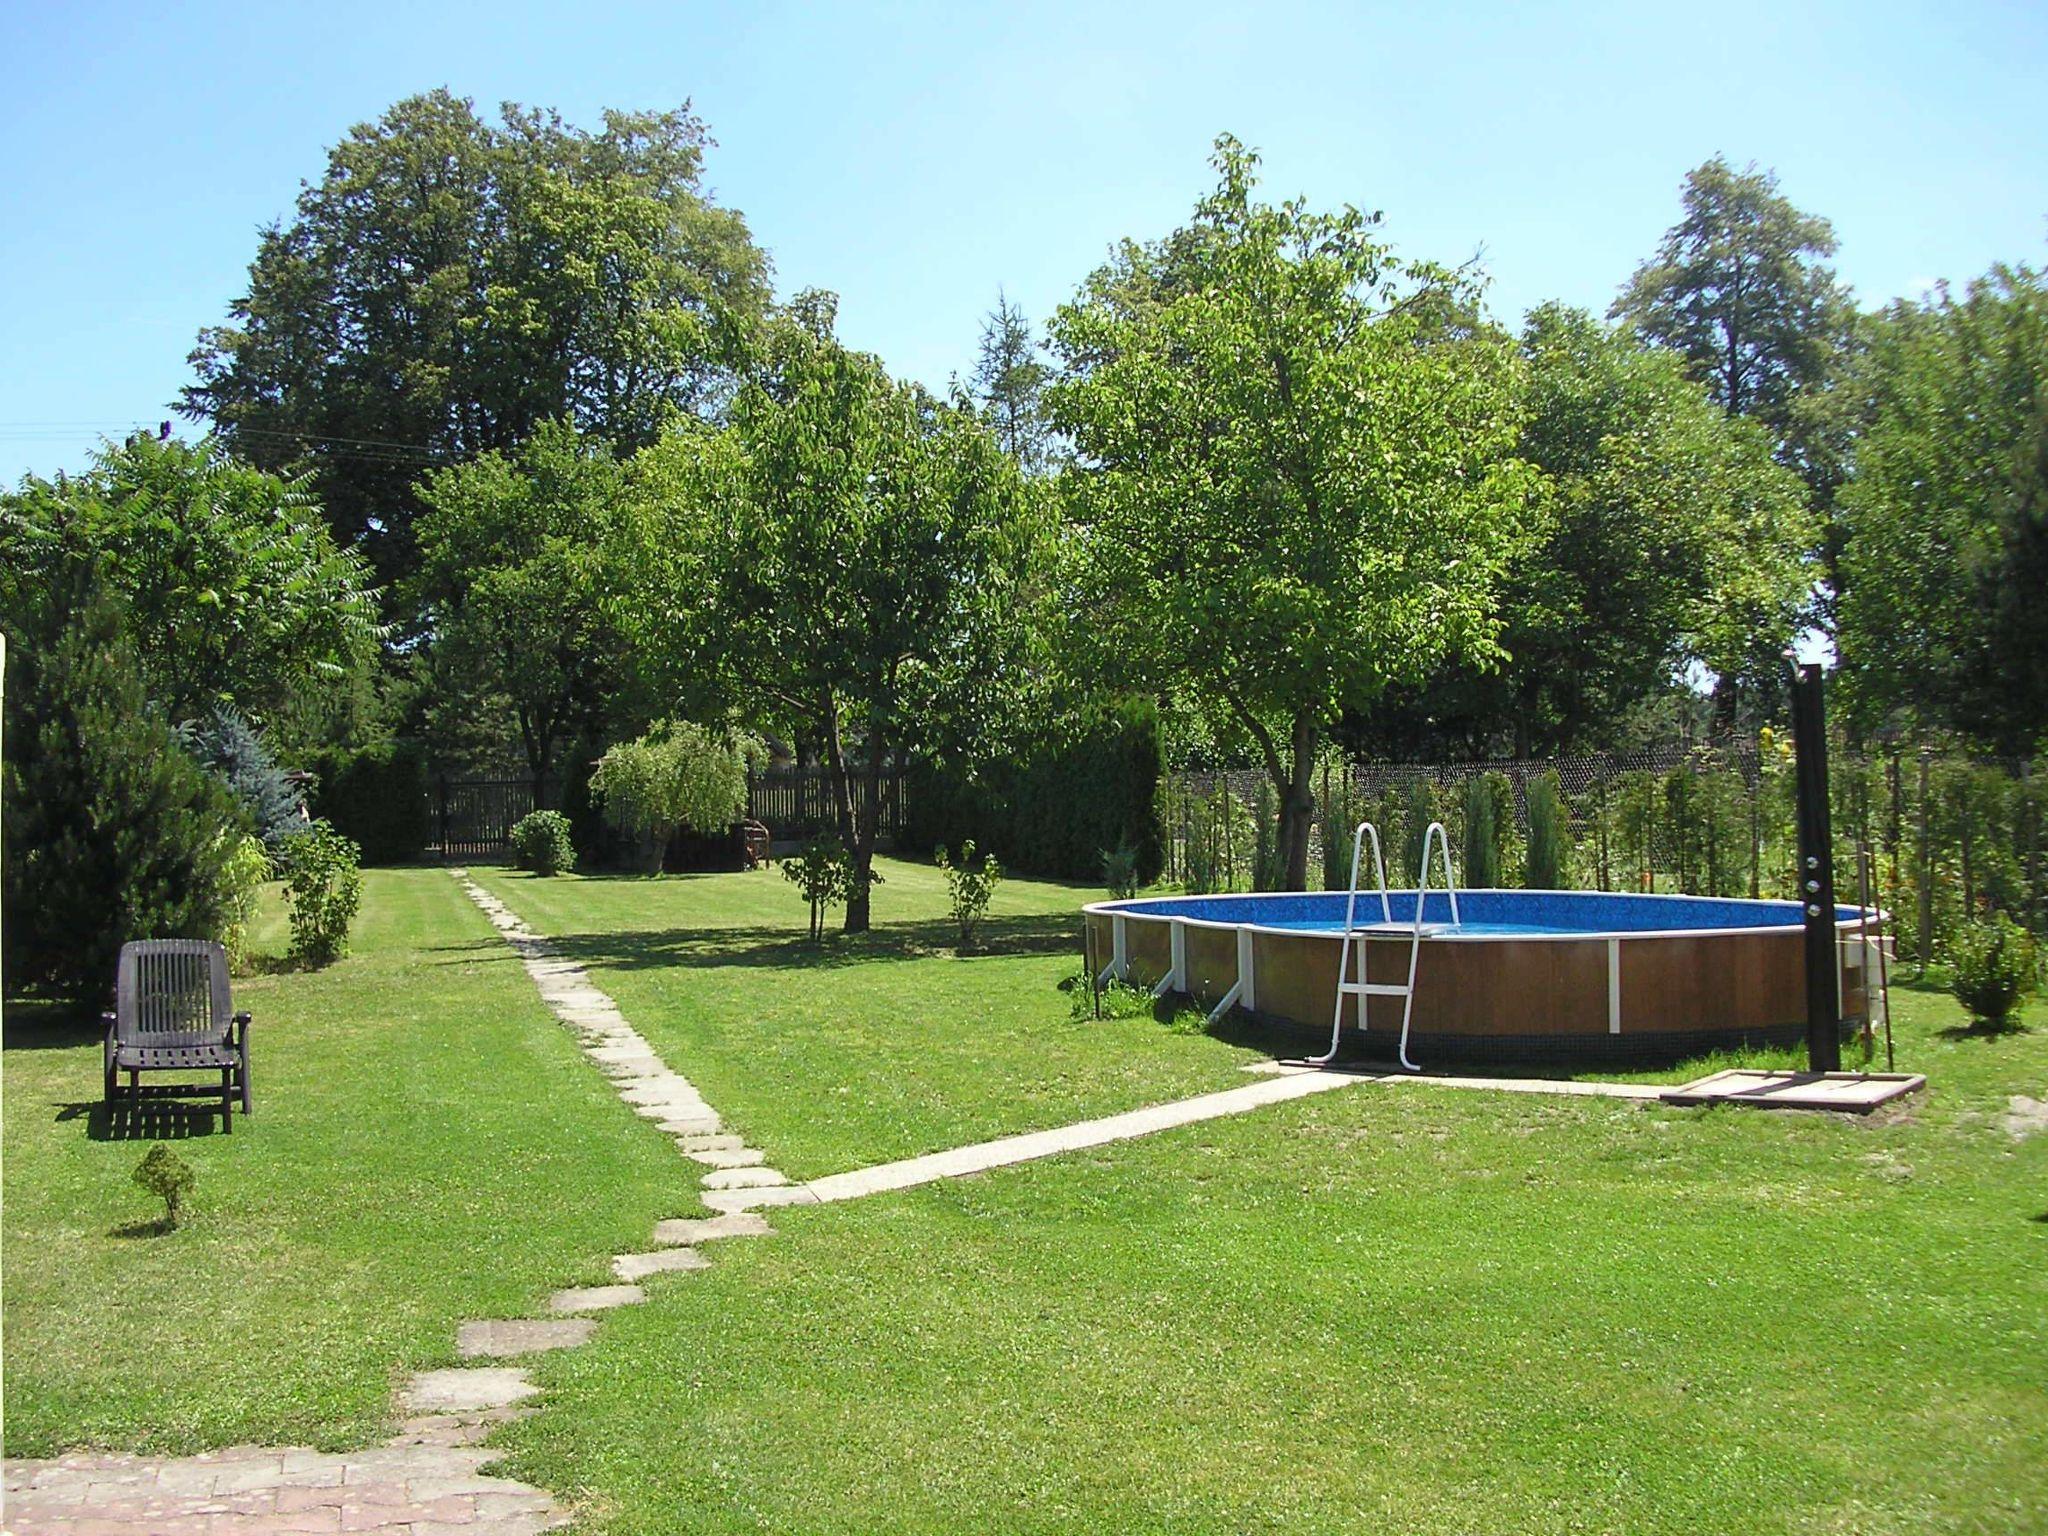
x,y
172,992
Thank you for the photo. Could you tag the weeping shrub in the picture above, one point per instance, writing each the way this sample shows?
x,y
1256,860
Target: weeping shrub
x,y
1549,847
679,775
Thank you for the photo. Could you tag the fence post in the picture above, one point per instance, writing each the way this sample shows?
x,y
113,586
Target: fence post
x,y
441,808
1926,871
1816,870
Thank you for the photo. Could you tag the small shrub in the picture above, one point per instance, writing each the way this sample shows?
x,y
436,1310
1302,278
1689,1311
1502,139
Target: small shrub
x,y
1120,870
1549,835
169,1177
1118,1000
246,870
824,874
1996,969
540,842
324,881
971,889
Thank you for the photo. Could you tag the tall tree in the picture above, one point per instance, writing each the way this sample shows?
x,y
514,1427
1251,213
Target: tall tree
x,y
233,590
448,285
1740,289
1945,523
862,550
1009,382
1674,539
1295,483
522,557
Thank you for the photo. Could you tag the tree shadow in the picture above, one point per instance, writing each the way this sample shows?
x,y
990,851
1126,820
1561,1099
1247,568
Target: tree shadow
x,y
37,1025
779,948
151,1120
155,1226
2008,1031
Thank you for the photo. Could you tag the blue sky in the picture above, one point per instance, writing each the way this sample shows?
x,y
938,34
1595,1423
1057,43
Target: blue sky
x,y
915,157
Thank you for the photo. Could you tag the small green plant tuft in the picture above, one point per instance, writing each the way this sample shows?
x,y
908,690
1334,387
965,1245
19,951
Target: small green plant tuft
x,y
541,843
169,1177
971,890
1996,969
324,881
1120,870
242,877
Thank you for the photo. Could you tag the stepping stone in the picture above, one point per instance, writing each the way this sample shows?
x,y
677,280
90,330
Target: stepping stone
x,y
744,1178
729,1157
690,1125
464,1389
596,1298
729,1201
683,1229
500,1338
725,1142
667,1089
638,1266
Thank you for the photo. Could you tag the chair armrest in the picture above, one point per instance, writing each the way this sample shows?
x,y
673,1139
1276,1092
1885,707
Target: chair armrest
x,y
242,1019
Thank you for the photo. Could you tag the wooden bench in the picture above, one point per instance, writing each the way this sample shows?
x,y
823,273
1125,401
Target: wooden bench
x,y
173,1013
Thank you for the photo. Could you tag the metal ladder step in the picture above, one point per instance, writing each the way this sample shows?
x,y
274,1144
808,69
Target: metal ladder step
x,y
1375,988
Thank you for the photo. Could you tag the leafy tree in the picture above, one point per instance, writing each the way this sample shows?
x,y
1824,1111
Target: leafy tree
x,y
1739,289
520,557
448,285
1674,540
111,831
233,590
1295,485
863,547
1945,524
1009,383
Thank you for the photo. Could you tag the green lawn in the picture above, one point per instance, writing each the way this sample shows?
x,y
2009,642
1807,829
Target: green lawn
x,y
1392,1308
428,1146
870,1048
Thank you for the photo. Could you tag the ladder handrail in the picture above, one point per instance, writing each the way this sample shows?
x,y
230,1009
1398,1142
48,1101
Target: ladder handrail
x,y
1434,837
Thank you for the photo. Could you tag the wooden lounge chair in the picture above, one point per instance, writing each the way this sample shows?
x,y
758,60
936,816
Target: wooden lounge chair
x,y
172,1013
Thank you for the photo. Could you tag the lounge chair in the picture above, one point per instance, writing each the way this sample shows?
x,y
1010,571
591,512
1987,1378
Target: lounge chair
x,y
173,1013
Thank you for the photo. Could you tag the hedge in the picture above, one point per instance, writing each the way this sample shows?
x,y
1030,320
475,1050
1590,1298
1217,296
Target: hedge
x,y
381,797
1057,802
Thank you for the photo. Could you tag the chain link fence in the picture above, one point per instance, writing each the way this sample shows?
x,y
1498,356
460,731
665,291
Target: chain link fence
x,y
1939,835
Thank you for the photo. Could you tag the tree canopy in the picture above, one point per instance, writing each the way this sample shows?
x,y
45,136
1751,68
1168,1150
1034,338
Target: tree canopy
x,y
1295,484
863,545
232,589
449,285
1945,522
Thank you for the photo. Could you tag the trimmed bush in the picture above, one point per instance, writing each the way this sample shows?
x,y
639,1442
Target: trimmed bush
x,y
541,843
112,831
378,797
1996,969
1057,800
170,1178
1546,865
324,883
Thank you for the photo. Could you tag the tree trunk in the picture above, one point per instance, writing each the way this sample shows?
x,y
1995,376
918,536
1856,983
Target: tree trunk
x,y
1297,804
857,915
842,810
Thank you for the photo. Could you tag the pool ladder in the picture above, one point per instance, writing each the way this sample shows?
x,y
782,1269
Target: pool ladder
x,y
1354,937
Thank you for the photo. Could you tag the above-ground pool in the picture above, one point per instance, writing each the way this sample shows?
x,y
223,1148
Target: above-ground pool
x,y
1561,976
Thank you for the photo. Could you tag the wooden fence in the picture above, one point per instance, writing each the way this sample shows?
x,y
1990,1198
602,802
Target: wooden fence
x,y
473,818
797,802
